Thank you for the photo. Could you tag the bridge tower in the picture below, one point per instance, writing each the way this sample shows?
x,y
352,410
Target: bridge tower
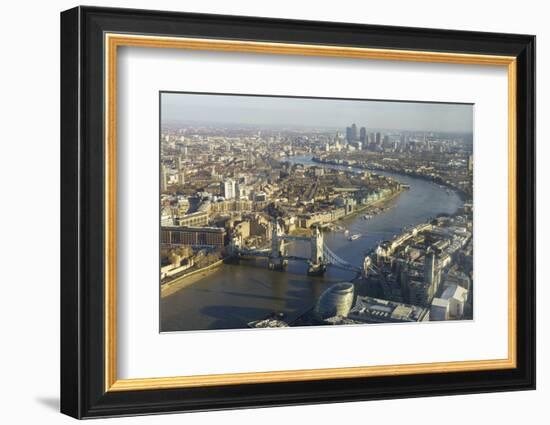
x,y
316,265
367,264
277,260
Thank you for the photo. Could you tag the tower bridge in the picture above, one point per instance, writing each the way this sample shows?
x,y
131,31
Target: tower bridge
x,y
321,256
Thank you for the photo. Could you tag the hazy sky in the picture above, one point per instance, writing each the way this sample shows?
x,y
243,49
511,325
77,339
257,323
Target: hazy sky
x,y
280,111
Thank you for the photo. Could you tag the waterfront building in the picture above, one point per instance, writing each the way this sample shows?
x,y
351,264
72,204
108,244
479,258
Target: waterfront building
x,y
175,267
322,217
349,205
337,300
376,310
193,236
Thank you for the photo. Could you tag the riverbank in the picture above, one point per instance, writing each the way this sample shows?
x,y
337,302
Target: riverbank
x,y
382,205
373,209
178,283
463,195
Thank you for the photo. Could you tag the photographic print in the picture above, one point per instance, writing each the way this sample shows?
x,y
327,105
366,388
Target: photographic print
x,y
278,212
312,188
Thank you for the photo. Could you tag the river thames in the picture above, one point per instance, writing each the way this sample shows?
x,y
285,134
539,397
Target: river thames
x,y
234,294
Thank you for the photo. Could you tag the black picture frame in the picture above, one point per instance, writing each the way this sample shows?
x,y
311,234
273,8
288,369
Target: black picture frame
x,y
83,392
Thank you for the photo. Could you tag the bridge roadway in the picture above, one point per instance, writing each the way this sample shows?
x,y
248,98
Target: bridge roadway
x,y
323,256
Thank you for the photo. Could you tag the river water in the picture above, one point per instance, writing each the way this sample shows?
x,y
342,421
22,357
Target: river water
x,y
233,295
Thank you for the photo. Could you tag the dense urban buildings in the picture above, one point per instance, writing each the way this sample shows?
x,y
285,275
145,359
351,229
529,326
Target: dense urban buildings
x,y
231,194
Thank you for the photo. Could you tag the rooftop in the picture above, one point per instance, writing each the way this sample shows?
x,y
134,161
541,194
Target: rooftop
x,y
376,310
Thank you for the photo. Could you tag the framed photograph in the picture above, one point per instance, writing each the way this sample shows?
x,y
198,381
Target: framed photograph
x,y
261,212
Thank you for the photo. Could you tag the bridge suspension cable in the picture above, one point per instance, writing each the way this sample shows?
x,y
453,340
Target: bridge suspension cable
x,y
328,256
335,260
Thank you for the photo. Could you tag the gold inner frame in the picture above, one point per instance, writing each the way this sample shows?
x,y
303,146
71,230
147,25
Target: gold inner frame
x,y
113,41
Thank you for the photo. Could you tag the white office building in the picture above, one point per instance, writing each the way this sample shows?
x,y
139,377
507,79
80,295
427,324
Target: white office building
x,y
229,189
450,305
439,309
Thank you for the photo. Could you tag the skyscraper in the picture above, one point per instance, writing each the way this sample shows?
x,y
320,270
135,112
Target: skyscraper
x,y
351,133
363,135
348,134
354,132
429,267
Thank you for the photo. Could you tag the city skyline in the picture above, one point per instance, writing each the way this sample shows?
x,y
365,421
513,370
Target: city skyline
x,y
264,111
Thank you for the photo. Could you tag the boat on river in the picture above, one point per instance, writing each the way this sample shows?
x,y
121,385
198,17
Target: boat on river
x,y
354,237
